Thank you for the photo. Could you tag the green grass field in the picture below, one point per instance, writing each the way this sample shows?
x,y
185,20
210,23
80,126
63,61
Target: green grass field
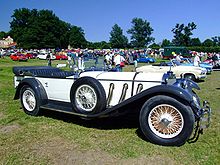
x,y
57,138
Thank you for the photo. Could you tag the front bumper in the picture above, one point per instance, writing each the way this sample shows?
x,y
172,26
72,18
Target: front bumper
x,y
201,77
205,115
203,121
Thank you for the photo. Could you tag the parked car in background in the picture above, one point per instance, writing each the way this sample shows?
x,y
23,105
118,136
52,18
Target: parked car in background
x,y
191,72
61,57
215,64
18,57
145,59
189,62
43,56
30,55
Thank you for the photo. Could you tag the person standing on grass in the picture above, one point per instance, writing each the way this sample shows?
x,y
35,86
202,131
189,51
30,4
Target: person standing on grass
x,y
196,61
69,61
48,59
118,60
178,58
135,57
107,61
81,61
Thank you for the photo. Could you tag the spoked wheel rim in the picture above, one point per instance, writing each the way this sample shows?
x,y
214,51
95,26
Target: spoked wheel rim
x,y
86,98
29,100
165,121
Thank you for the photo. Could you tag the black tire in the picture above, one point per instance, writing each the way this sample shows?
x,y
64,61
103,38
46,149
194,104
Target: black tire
x,y
88,96
190,76
29,101
156,120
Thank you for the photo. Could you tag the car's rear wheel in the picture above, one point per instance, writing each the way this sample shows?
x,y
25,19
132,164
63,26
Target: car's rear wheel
x,y
88,96
166,121
29,101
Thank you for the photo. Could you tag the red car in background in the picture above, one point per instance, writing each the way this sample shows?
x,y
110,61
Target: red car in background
x,y
18,57
30,55
61,57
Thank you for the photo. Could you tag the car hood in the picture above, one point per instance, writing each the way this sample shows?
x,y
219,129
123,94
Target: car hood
x,y
124,76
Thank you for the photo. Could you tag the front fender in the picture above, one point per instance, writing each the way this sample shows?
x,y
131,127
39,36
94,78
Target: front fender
x,y
176,92
36,86
171,90
137,101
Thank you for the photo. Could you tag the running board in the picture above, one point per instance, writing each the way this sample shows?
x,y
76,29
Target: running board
x,y
65,108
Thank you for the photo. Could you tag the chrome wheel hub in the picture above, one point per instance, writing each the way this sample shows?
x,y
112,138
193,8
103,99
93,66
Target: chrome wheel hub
x,y
165,121
29,100
86,98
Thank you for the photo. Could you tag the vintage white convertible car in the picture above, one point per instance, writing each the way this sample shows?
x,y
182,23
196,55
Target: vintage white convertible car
x,y
192,72
169,109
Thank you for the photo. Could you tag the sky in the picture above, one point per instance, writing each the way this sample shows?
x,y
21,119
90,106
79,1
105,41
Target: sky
x,y
97,17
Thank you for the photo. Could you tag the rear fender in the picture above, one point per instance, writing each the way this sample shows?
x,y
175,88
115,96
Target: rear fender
x,y
36,86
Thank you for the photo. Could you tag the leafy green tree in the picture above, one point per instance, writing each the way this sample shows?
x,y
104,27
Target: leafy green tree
x,y
165,43
77,39
39,29
117,39
208,43
104,45
182,34
3,34
98,45
154,46
216,40
140,33
195,42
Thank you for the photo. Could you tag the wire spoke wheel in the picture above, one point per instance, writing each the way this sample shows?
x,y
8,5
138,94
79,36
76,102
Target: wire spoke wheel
x,y
29,100
86,98
165,121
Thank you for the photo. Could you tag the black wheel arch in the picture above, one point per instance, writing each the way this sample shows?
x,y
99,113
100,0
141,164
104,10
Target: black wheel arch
x,y
36,86
137,101
167,90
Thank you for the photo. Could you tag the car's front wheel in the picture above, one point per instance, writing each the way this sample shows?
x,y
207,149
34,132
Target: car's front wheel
x,y
166,121
29,101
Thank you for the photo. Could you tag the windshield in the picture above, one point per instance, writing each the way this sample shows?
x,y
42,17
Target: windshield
x,y
175,62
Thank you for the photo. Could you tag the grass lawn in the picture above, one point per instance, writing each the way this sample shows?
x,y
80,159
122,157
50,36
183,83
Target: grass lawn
x,y
57,138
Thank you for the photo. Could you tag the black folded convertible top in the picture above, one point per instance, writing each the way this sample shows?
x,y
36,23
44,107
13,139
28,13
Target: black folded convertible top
x,y
42,71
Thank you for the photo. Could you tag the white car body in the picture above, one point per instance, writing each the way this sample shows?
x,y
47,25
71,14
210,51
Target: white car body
x,y
63,86
179,71
43,56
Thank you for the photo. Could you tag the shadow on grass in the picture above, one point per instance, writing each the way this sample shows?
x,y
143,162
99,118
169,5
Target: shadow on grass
x,y
200,81
108,123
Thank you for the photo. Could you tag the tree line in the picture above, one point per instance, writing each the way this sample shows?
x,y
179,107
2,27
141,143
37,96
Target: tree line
x,y
43,29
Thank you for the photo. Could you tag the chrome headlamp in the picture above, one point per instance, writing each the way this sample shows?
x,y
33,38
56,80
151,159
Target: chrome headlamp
x,y
187,84
196,101
169,78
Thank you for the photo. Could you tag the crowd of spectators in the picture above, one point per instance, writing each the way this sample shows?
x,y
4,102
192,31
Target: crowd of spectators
x,y
114,58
